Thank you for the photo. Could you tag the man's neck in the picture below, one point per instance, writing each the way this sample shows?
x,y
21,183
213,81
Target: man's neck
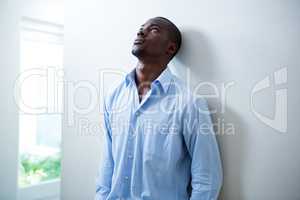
x,y
145,74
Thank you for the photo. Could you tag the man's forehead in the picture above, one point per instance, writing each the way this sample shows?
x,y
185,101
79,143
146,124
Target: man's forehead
x,y
156,21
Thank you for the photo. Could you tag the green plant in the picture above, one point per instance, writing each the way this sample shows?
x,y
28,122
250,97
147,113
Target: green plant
x,y
35,169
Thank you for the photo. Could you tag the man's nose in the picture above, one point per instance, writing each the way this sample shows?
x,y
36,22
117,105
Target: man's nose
x,y
141,32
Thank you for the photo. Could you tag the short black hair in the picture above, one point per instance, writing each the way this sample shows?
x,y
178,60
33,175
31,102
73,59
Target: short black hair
x,y
174,33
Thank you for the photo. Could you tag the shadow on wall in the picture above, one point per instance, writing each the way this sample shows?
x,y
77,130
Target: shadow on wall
x,y
198,55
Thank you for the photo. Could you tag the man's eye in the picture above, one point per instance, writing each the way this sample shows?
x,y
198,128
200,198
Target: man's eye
x,y
155,29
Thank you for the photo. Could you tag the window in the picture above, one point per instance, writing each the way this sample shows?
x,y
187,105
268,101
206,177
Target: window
x,y
40,132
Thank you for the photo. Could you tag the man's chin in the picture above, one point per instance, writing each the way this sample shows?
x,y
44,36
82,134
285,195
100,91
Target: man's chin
x,y
137,52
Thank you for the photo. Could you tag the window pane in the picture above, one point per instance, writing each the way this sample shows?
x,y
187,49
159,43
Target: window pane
x,y
40,134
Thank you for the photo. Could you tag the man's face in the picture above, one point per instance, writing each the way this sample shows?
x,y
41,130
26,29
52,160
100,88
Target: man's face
x,y
152,40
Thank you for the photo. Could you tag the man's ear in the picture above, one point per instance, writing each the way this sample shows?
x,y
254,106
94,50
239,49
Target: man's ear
x,y
171,48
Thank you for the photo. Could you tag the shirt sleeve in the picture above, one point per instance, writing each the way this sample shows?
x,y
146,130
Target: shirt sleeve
x,y
103,183
206,169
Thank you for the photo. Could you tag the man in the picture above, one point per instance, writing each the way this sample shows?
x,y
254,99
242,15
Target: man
x,y
159,139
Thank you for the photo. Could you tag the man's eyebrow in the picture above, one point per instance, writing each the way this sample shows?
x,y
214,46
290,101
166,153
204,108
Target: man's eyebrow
x,y
152,24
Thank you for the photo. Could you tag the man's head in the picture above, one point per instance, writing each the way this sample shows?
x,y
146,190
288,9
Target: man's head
x,y
157,40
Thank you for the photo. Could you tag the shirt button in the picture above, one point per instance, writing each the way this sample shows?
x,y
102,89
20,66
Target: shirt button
x,y
130,156
137,113
132,135
126,177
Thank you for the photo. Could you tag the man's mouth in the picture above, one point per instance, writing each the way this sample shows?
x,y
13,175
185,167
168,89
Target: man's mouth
x,y
138,41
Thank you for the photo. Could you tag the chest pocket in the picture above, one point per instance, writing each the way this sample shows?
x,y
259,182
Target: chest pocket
x,y
162,139
120,122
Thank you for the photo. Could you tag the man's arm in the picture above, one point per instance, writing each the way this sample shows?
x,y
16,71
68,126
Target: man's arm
x,y
206,169
103,185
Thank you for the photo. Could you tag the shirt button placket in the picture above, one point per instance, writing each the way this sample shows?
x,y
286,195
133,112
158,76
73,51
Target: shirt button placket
x,y
130,150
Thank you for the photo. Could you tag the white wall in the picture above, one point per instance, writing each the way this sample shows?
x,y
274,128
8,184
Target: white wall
x,y
9,61
239,41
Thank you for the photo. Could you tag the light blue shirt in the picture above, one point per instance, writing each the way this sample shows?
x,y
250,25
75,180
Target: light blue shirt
x,y
162,148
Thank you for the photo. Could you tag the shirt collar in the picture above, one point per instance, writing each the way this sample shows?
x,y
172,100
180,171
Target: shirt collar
x,y
163,79
130,77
